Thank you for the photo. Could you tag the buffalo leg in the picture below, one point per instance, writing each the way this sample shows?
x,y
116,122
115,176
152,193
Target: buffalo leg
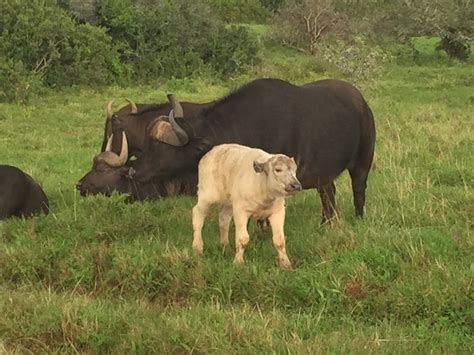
x,y
359,185
199,215
225,215
241,234
277,222
327,193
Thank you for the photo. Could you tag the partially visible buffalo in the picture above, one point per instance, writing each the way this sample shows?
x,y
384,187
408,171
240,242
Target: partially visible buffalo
x,y
326,126
103,178
20,195
141,122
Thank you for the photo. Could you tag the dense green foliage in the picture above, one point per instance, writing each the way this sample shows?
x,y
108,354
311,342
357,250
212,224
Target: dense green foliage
x,y
246,11
43,45
98,275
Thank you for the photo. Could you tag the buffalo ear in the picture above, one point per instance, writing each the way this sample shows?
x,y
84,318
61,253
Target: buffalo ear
x,y
162,131
201,146
128,172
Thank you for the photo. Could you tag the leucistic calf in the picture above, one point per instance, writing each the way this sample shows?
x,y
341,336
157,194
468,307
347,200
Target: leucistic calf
x,y
245,182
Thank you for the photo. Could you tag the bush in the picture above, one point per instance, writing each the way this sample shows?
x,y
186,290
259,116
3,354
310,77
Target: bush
x,y
232,50
59,51
272,5
243,11
304,25
355,60
455,44
54,43
16,82
452,21
175,39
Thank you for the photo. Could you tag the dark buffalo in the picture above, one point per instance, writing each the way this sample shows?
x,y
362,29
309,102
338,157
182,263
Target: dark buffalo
x,y
326,125
141,122
104,179
20,195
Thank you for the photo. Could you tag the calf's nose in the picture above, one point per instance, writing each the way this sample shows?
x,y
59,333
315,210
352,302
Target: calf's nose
x,y
295,186
78,185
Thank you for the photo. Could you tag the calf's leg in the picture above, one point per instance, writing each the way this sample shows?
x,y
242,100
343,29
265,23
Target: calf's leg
x,y
277,222
199,214
241,234
225,215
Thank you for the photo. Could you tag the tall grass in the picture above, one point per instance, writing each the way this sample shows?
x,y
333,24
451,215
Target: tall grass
x,y
99,275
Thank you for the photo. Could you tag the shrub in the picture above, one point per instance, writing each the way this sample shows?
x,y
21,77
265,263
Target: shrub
x,y
139,40
272,5
356,60
16,82
304,25
452,21
232,50
455,44
243,11
49,44
175,38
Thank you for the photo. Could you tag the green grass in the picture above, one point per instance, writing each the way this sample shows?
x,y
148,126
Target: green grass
x,y
99,275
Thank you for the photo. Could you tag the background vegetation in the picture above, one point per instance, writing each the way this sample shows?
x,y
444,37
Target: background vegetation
x,y
99,275
49,43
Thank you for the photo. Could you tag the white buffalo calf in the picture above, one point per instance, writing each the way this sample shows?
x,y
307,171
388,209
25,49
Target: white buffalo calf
x,y
245,182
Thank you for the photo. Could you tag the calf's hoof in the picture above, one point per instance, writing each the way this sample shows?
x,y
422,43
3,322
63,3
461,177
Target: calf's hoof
x,y
238,261
198,249
285,264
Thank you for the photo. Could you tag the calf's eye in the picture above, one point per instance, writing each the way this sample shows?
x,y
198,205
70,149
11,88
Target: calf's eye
x,y
278,170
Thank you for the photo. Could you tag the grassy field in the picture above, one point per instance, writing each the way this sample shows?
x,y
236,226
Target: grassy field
x,y
99,275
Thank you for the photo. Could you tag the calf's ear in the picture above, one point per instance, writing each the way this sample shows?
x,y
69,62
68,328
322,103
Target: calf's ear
x,y
259,167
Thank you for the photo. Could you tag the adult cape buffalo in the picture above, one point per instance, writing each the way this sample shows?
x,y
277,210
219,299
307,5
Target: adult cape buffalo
x,y
326,126
20,195
141,122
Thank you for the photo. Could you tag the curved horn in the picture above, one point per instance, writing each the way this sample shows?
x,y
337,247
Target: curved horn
x,y
178,109
112,159
108,147
110,112
183,137
124,151
134,108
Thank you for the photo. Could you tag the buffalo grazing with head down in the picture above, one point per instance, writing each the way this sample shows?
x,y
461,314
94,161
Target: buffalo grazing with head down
x,y
326,126
140,123
20,195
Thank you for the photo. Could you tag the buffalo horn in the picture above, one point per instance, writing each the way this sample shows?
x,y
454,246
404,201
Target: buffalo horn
x,y
134,108
180,133
124,151
177,111
110,112
108,147
112,158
